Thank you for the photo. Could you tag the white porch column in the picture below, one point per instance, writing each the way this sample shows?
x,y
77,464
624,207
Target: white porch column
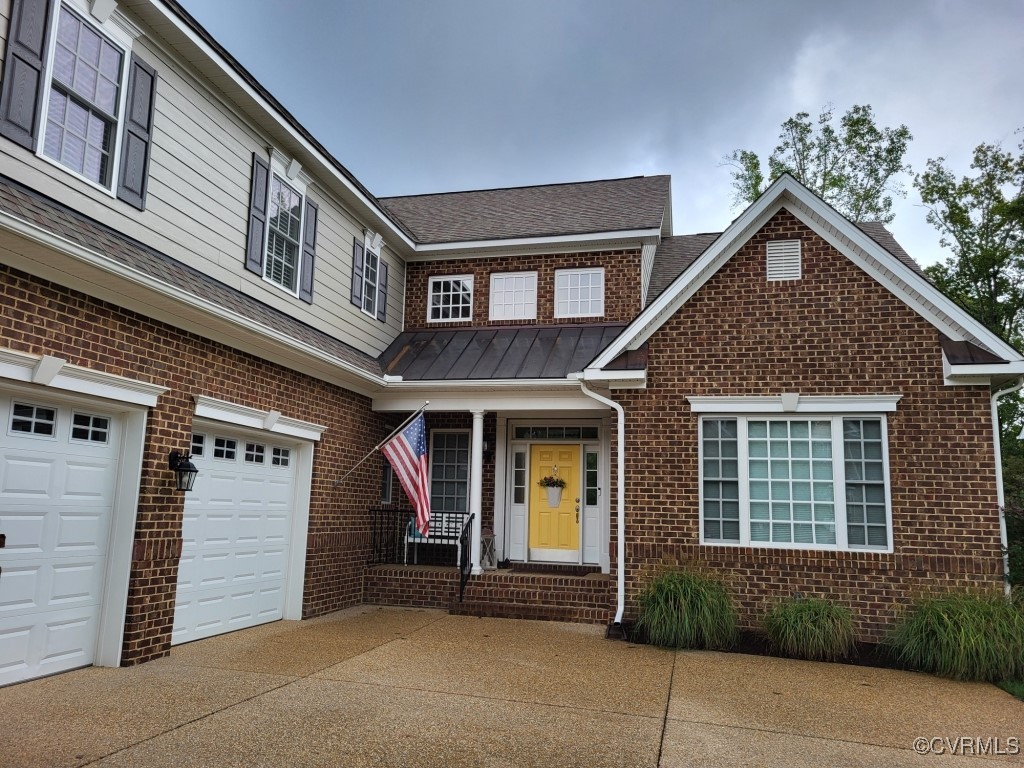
x,y
476,481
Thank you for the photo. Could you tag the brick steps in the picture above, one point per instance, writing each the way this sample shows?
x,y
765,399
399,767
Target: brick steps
x,y
532,611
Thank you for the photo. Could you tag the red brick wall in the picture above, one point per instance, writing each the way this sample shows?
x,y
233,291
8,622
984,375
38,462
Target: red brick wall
x,y
41,317
834,332
621,286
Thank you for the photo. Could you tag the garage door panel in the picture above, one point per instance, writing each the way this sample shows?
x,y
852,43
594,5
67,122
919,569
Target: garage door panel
x,y
28,476
62,640
26,529
23,588
235,543
35,588
87,480
81,532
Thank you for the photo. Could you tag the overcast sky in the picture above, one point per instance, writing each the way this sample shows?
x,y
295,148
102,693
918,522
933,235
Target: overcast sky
x,y
421,96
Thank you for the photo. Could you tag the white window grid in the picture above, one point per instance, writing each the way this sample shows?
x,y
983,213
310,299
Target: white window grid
x,y
579,292
513,296
280,457
449,471
451,298
284,234
371,280
198,445
38,420
255,453
225,448
85,83
822,500
89,428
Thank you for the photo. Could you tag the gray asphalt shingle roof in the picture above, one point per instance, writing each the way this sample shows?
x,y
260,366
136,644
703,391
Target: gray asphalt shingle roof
x,y
611,205
61,220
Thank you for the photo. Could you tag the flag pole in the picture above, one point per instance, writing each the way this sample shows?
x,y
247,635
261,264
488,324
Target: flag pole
x,y
394,432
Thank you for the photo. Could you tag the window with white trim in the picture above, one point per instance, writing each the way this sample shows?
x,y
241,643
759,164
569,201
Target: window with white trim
x,y
449,471
371,279
579,292
33,420
87,77
89,428
451,298
815,482
514,296
284,234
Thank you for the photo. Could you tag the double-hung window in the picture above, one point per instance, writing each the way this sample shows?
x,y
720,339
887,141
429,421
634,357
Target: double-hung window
x,y
451,298
75,94
514,296
284,234
370,276
790,480
371,273
579,292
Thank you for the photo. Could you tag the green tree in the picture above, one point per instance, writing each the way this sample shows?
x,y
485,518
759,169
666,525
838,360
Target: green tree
x,y
852,166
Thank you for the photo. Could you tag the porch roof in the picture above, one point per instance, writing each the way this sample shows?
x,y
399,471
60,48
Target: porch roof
x,y
524,352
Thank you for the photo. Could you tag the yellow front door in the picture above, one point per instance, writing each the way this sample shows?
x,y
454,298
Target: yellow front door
x,y
554,527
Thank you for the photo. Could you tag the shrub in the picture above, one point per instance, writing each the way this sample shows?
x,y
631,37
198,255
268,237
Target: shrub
x,y
683,609
811,628
965,637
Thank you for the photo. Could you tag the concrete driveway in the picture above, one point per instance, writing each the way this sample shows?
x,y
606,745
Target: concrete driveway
x,y
392,687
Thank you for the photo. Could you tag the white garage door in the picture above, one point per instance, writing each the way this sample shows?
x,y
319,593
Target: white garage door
x,y
58,470
235,535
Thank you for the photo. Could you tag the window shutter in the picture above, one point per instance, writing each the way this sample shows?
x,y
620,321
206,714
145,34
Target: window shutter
x,y
382,290
257,215
783,259
308,252
357,273
22,93
137,133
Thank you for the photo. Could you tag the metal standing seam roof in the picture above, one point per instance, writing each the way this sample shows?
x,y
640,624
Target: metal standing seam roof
x,y
496,352
610,205
71,225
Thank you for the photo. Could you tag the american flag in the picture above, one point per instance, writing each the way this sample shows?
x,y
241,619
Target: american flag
x,y
407,453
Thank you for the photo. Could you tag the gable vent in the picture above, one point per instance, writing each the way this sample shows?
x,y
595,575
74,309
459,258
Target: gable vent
x,y
783,259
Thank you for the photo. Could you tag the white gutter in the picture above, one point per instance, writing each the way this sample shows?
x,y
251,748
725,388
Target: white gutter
x,y
546,240
620,500
1000,496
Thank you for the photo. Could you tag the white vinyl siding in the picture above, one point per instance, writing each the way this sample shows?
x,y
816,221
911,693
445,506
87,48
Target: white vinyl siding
x,y
783,259
514,296
451,298
813,482
579,292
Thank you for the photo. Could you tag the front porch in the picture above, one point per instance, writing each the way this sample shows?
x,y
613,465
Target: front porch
x,y
557,593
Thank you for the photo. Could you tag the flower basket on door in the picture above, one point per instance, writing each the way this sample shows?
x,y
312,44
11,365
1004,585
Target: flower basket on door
x,y
553,485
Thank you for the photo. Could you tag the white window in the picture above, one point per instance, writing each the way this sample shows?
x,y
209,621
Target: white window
x,y
514,296
83,99
449,471
198,445
451,298
387,476
281,457
579,292
33,420
371,280
224,448
284,234
89,428
255,453
815,482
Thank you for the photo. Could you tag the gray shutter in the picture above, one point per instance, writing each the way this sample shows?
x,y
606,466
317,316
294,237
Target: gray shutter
x,y
357,273
257,215
22,94
308,252
137,133
382,289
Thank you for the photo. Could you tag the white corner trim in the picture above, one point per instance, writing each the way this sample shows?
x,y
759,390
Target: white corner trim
x,y
55,372
803,404
244,416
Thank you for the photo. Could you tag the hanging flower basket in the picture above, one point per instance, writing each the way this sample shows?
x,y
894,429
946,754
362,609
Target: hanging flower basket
x,y
553,485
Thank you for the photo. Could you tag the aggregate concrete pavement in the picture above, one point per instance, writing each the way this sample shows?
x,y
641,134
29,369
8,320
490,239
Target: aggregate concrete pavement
x,y
374,686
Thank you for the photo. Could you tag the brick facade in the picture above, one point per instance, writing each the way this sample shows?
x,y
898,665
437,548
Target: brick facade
x,y
621,286
42,318
834,332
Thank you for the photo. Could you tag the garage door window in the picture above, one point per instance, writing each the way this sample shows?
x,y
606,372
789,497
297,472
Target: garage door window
x,y
90,429
33,419
281,457
255,453
198,444
224,448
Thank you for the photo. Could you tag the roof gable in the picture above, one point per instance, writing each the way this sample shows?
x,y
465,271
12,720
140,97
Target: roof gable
x,y
902,277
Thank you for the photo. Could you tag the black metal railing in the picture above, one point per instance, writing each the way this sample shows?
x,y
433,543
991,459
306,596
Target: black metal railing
x,y
465,555
394,538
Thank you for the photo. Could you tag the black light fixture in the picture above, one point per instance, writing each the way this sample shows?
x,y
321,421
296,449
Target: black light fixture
x,y
184,470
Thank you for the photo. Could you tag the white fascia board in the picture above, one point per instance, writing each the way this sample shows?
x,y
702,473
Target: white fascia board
x,y
97,260
432,251
799,404
253,418
280,122
632,379
922,295
980,373
490,402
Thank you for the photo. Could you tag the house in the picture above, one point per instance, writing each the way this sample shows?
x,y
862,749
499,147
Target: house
x,y
186,270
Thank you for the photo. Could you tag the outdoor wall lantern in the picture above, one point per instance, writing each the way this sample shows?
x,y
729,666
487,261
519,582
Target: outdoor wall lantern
x,y
184,470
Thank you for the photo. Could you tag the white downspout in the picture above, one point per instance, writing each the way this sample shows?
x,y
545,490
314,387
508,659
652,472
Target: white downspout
x,y
620,499
1000,497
